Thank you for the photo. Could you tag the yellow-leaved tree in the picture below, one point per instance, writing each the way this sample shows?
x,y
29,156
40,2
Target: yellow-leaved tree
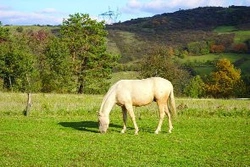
x,y
225,81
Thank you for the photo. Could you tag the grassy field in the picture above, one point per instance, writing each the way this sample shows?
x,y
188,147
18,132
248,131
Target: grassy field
x,y
62,130
241,36
206,69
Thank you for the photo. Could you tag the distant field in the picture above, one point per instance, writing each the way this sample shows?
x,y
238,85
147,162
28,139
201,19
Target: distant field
x,y
204,69
241,36
223,29
62,130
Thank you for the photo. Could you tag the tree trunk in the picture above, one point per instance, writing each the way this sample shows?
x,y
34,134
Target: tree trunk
x,y
80,90
28,106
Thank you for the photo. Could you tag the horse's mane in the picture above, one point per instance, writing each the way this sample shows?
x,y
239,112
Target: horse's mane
x,y
110,91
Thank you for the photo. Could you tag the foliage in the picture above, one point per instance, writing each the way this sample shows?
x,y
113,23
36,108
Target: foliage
x,y
91,64
198,48
217,48
57,76
195,87
240,48
224,81
160,63
17,65
74,60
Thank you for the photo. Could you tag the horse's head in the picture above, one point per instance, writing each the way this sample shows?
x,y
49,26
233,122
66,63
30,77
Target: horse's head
x,y
103,123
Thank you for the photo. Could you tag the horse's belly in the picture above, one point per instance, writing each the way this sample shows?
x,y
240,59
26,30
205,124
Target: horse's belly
x,y
139,100
142,100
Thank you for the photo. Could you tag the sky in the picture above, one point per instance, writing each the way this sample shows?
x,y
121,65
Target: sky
x,y
52,12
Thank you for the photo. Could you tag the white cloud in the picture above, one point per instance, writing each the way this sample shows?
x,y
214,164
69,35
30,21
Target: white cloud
x,y
43,17
48,11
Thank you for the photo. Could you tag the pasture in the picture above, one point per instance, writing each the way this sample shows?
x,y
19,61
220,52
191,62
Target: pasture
x,y
62,130
200,65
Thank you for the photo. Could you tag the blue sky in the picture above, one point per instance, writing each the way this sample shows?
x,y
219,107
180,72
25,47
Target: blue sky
x,y
29,12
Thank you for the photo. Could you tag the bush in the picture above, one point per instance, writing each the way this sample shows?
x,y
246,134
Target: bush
x,y
217,48
240,48
195,88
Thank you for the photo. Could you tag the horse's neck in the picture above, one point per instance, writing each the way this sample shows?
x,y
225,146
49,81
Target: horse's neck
x,y
108,103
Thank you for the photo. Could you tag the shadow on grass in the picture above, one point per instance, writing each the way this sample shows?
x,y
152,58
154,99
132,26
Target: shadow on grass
x,y
88,126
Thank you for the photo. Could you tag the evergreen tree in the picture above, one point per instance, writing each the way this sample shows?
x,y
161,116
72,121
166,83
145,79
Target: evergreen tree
x,y
91,64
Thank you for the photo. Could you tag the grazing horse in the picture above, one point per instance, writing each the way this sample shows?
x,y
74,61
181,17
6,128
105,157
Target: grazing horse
x,y
129,93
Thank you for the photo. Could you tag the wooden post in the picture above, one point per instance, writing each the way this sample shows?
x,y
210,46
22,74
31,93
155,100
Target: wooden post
x,y
28,106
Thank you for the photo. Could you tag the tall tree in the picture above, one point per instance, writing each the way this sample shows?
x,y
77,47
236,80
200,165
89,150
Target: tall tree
x,y
86,40
224,81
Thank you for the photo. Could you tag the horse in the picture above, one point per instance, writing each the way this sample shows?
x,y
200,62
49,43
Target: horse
x,y
129,93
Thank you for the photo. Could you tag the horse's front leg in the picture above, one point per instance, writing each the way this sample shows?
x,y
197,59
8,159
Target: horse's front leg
x,y
129,108
124,114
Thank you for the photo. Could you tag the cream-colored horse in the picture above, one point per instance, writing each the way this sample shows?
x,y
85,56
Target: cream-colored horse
x,y
129,93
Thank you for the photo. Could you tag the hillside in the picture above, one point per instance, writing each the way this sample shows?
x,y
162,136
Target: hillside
x,y
133,39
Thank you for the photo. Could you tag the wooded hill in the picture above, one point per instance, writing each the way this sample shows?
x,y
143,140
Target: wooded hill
x,y
180,46
133,39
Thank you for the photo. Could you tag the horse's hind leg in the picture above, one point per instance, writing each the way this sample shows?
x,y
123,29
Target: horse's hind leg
x,y
124,114
169,119
162,114
130,110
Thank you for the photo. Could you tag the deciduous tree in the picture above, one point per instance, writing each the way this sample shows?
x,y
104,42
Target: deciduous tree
x,y
224,80
17,65
57,75
195,88
160,63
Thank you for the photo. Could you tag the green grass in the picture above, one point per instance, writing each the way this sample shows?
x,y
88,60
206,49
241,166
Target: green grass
x,y
205,69
61,130
241,36
210,57
223,29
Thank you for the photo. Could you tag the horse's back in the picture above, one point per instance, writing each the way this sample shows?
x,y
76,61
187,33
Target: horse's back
x,y
162,88
142,92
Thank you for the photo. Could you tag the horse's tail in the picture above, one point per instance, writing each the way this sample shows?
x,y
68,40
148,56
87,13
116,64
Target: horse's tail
x,y
172,103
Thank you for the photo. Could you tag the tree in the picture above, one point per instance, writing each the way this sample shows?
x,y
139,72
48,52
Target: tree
x,y
224,81
91,64
240,48
57,74
160,63
195,87
17,65
197,48
217,48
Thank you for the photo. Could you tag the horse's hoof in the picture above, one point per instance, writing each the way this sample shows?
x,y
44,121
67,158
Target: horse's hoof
x,y
170,130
